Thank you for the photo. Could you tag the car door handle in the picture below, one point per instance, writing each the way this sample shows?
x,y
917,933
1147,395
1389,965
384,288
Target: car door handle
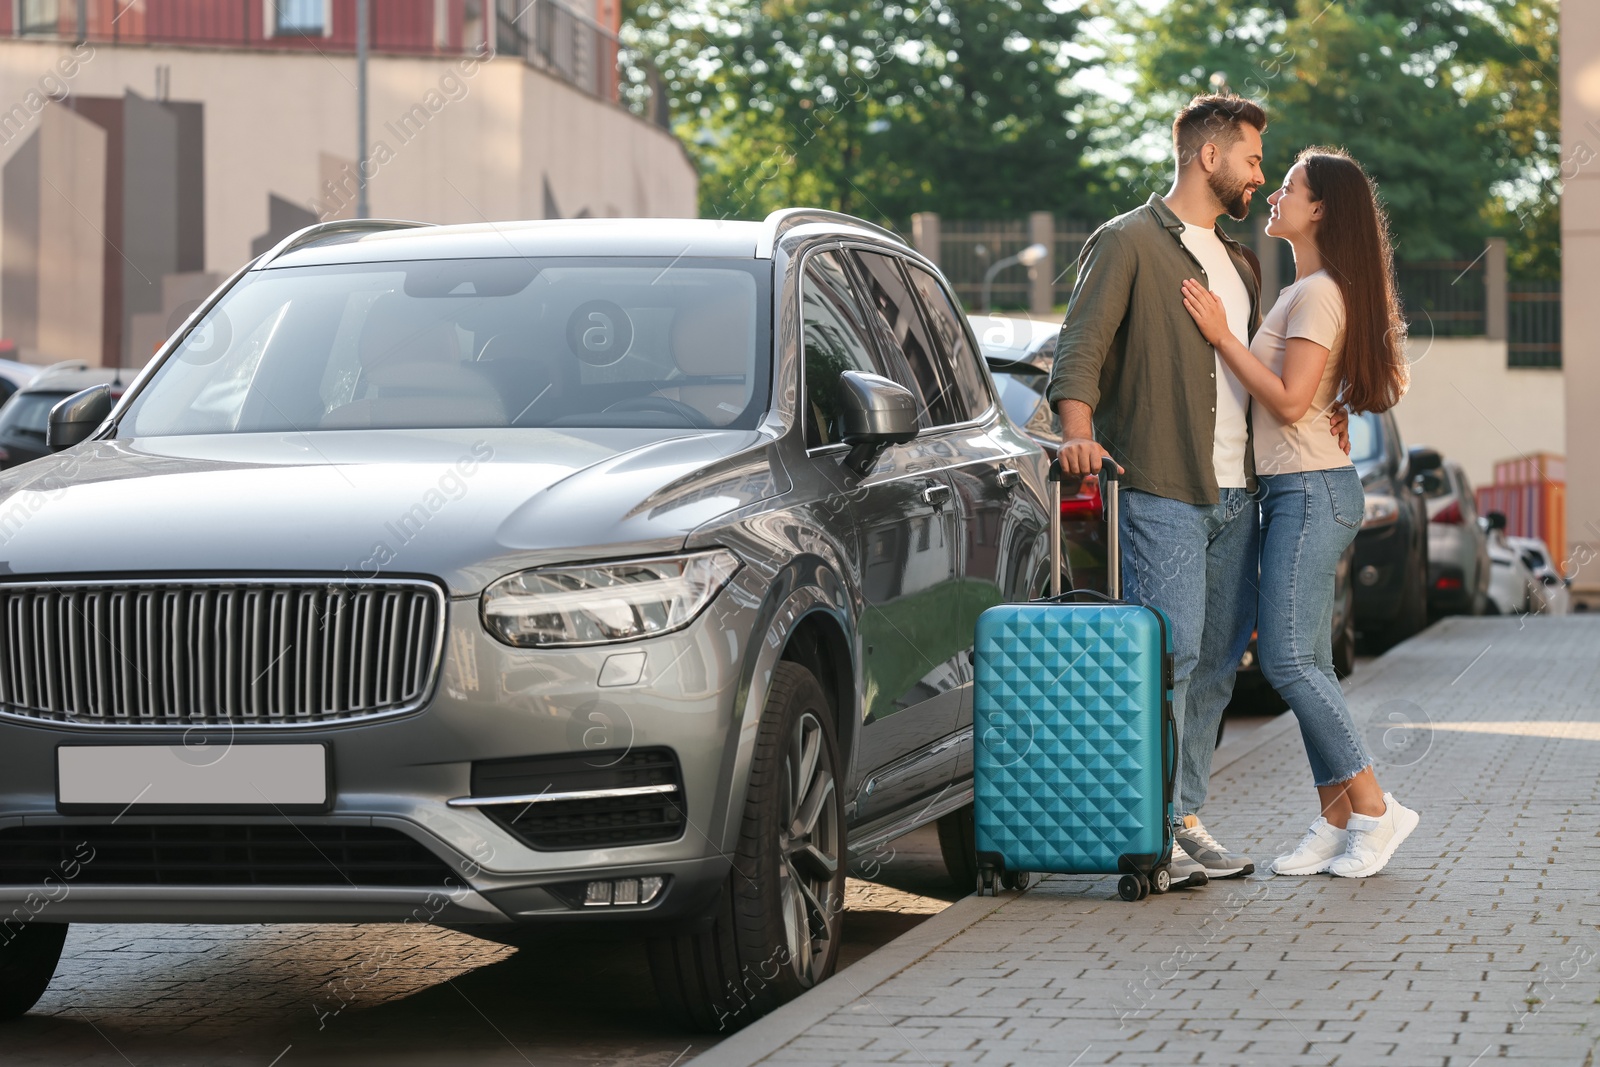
x,y
936,493
1007,477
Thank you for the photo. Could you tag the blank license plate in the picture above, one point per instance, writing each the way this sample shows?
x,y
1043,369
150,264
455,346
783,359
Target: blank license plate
x,y
232,775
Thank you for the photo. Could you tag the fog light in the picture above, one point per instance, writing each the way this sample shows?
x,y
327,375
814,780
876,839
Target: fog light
x,y
623,891
1368,575
1246,660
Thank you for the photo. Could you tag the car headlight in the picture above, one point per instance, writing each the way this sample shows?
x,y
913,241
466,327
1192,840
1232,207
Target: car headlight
x,y
1380,511
599,603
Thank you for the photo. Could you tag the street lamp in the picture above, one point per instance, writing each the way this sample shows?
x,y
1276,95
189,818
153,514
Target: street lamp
x,y
1028,257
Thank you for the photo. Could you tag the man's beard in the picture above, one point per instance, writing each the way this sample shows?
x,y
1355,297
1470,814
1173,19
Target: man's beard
x,y
1229,192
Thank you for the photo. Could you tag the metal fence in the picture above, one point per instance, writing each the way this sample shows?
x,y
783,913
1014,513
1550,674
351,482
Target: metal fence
x,y
1443,298
967,248
1535,323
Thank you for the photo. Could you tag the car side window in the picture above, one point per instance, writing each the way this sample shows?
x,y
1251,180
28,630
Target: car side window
x,y
901,324
834,337
954,345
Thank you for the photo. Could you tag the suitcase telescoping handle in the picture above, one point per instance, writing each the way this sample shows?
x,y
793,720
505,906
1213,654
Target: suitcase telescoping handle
x,y
1109,484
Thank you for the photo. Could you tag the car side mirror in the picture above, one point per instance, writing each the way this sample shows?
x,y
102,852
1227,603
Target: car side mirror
x,y
79,415
874,413
1496,520
1424,459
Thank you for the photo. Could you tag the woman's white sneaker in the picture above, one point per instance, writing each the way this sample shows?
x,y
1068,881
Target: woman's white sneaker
x,y
1373,839
1316,851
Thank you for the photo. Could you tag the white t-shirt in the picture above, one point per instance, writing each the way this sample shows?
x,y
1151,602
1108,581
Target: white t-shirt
x,y
1233,400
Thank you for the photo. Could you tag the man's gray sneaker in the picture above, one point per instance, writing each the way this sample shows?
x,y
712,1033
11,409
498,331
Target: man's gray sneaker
x,y
1209,853
1186,873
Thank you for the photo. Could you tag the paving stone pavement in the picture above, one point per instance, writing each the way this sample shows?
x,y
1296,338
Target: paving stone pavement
x,y
1478,943
395,994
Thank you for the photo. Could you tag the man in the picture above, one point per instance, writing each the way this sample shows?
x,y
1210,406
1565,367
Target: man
x,y
1131,365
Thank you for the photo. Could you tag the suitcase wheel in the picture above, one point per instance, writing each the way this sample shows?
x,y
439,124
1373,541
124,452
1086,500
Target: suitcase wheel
x,y
1131,887
1016,880
986,881
1162,881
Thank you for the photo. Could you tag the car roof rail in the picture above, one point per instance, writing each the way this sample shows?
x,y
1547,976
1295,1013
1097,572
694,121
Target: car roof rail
x,y
321,230
783,220
61,367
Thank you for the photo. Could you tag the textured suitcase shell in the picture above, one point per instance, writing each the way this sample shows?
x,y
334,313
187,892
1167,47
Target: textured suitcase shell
x,y
1071,763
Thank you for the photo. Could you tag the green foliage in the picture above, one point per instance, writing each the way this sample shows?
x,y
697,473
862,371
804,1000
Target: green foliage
x,y
960,106
1451,108
965,107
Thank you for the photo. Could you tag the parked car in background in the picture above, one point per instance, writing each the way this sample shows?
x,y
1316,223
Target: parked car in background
x,y
1020,352
1511,580
14,376
1458,545
24,417
1550,592
591,571
1391,558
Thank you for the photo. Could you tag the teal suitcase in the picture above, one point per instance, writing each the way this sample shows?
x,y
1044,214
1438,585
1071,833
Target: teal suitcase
x,y
1075,747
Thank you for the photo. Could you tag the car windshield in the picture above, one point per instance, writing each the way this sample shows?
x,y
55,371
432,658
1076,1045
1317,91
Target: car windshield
x,y
1366,438
29,413
591,342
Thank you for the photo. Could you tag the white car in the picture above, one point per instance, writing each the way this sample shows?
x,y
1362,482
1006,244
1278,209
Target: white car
x,y
1550,594
1511,581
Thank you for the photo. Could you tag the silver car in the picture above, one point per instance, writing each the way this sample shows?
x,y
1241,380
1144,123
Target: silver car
x,y
1458,544
494,575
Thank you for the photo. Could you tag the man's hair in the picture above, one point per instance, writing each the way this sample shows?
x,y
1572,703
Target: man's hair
x,y
1213,119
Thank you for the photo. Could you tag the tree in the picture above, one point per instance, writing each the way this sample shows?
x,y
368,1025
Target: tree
x,y
1396,82
958,106
1522,84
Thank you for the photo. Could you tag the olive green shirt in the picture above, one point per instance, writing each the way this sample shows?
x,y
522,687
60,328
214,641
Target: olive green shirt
x,y
1130,351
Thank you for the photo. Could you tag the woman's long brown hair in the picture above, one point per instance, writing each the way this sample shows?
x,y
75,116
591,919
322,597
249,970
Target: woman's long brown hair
x,y
1353,240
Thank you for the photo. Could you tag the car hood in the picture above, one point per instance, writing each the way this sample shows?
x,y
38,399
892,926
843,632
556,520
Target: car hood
x,y
464,506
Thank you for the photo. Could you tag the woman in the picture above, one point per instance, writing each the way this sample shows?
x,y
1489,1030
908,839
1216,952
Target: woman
x,y
1335,334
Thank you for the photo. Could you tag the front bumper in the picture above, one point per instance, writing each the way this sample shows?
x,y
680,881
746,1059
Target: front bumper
x,y
492,702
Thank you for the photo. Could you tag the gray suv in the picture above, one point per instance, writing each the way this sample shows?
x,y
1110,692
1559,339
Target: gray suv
x,y
495,575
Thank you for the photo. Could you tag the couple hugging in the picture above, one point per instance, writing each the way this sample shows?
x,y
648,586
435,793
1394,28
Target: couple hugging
x,y
1239,495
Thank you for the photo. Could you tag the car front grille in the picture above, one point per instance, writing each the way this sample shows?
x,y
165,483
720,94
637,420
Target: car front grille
x,y
212,855
243,652
552,813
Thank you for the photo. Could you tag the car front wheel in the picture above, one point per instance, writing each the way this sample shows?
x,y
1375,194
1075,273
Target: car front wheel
x,y
28,958
775,931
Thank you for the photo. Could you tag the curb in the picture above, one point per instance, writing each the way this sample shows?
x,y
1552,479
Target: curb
x,y
766,1035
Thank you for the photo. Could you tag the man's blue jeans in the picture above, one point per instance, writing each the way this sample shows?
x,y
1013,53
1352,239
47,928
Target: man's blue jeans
x,y
1199,565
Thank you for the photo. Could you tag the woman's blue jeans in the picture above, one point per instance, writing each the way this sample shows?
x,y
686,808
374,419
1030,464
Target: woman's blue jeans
x,y
1308,519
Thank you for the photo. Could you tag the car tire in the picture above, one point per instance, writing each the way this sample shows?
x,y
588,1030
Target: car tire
x,y
1412,616
776,927
958,844
28,961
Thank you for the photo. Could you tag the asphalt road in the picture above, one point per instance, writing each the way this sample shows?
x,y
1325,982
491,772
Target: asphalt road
x,y
401,995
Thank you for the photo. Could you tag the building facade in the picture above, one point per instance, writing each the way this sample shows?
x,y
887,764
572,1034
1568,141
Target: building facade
x,y
1580,279
148,156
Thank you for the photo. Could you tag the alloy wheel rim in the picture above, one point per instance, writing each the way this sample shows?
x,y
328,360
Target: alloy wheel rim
x,y
809,850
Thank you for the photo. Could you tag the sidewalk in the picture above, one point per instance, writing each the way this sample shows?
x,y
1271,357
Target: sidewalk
x,y
1478,943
